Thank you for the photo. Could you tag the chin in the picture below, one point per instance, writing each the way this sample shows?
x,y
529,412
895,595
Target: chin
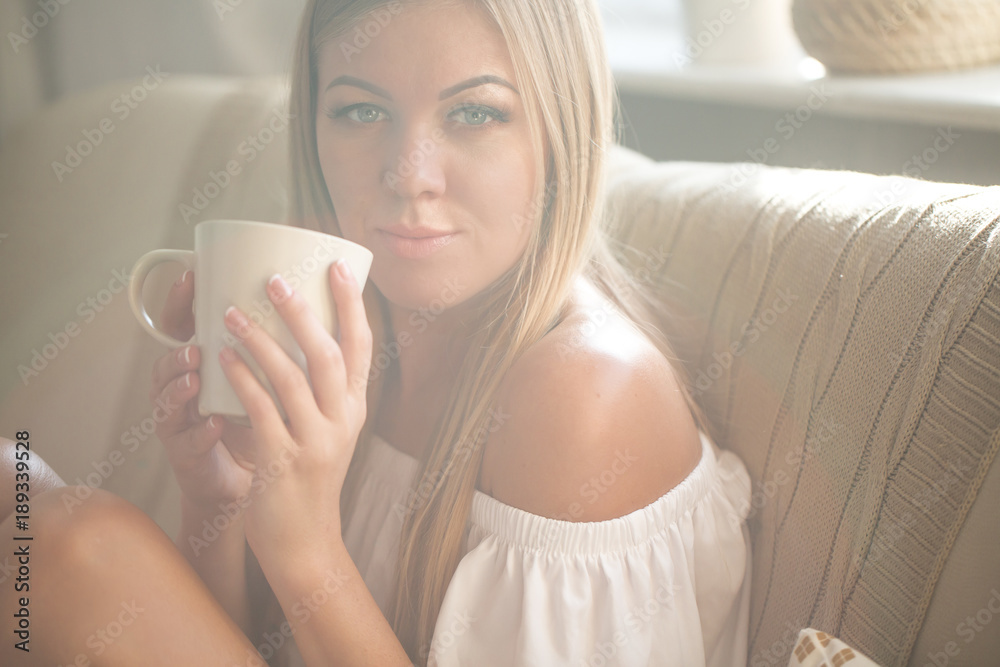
x,y
422,292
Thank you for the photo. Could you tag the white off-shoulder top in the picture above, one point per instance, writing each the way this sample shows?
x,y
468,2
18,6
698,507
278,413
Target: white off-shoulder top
x,y
668,584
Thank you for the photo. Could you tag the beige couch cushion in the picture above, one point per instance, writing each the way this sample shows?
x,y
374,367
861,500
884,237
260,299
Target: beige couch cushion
x,y
72,237
843,333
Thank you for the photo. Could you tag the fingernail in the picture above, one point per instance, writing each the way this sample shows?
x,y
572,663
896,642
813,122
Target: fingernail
x,y
184,382
235,319
211,422
184,355
280,290
344,270
180,281
227,354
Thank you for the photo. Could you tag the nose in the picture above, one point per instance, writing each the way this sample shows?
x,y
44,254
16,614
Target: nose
x,y
416,166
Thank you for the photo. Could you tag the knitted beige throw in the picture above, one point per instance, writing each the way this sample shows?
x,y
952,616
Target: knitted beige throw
x,y
843,334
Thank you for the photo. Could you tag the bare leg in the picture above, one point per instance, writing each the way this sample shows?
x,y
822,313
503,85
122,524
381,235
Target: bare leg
x,y
108,587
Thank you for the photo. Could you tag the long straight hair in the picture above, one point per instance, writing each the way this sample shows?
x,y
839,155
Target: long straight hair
x,y
557,49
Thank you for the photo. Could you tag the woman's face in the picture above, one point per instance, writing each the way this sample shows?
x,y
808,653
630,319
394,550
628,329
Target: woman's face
x,y
421,133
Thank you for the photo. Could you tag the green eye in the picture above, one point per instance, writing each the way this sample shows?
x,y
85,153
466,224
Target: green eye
x,y
478,115
475,116
363,113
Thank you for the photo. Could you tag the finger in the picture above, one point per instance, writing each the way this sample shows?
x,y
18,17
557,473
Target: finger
x,y
284,375
185,439
260,407
238,440
176,318
172,365
189,447
355,332
324,359
172,406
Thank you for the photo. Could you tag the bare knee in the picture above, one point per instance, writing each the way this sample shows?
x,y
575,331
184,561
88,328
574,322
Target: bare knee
x,y
84,543
84,527
62,534
22,470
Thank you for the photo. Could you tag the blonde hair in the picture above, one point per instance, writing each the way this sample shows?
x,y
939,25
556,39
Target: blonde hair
x,y
557,49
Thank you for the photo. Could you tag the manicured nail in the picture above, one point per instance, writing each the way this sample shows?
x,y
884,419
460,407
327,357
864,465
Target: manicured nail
x,y
227,354
345,270
235,319
184,355
211,422
184,382
280,290
183,278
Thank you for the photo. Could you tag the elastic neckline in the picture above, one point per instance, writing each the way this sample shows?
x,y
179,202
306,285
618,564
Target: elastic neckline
x,y
538,533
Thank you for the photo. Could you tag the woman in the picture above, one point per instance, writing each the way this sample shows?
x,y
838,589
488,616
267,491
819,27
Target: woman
x,y
495,462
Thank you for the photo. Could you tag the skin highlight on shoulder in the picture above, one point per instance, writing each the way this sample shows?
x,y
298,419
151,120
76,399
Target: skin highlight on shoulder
x,y
598,427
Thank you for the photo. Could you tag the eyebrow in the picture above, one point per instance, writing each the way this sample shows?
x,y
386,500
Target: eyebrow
x,y
346,80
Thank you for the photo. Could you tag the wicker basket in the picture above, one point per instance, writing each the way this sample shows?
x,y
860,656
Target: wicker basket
x,y
898,35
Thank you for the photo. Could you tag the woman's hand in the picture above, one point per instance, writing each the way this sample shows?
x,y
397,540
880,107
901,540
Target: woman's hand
x,y
210,457
293,511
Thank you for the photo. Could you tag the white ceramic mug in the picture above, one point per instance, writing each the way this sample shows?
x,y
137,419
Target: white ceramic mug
x,y
232,262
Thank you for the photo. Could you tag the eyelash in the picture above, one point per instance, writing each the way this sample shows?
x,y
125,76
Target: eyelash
x,y
500,115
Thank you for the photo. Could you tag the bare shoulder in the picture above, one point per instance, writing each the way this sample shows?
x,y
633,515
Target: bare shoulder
x,y
597,427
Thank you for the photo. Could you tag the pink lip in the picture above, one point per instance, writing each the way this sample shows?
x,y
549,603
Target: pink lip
x,y
420,232
415,247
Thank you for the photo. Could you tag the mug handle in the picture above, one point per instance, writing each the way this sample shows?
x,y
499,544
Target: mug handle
x,y
138,279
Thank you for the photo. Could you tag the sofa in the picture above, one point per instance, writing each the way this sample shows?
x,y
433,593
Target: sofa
x,y
841,332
